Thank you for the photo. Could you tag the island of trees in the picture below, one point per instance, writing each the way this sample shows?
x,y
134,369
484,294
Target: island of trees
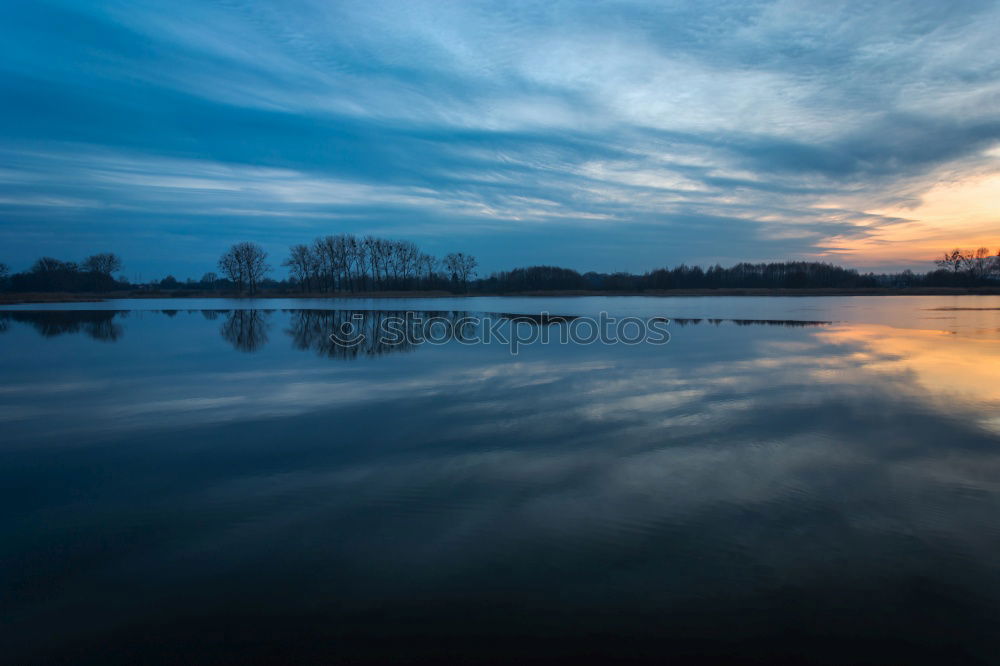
x,y
348,264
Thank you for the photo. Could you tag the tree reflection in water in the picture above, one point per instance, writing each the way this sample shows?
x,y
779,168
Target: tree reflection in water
x,y
342,334
246,330
348,334
96,324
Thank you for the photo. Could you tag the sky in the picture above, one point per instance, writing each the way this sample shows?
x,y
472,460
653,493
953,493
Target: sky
x,y
597,135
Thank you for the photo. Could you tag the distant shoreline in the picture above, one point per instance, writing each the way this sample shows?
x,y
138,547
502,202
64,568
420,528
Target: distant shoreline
x,y
57,297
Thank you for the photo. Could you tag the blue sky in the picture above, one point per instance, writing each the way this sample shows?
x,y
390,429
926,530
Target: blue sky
x,y
595,135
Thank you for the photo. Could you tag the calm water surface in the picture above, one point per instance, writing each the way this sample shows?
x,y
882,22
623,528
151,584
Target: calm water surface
x,y
217,482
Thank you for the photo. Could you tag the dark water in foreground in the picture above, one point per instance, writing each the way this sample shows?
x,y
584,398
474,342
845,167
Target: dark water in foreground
x,y
219,486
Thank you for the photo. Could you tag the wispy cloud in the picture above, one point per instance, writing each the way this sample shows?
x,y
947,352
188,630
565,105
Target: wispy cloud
x,y
617,135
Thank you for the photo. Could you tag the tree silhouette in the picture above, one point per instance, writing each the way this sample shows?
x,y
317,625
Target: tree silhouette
x,y
461,267
104,263
245,264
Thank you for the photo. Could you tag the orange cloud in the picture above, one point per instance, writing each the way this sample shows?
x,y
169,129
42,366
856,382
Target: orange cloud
x,y
963,214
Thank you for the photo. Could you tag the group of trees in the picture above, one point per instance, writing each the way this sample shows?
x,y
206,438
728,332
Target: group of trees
x,y
95,273
967,267
534,278
776,275
209,282
345,262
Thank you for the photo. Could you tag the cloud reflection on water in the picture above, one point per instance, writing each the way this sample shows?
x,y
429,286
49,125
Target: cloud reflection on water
x,y
737,467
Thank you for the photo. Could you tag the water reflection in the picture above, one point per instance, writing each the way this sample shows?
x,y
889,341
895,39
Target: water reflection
x,y
332,333
96,324
962,369
788,323
764,492
248,330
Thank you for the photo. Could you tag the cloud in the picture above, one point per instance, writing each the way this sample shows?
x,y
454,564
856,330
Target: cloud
x,y
611,136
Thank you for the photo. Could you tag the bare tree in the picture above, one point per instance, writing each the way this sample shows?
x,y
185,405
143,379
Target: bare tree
x,y
254,260
355,256
408,255
951,260
4,271
104,263
321,265
377,259
978,264
427,265
299,263
461,267
245,264
51,265
333,261
230,266
369,248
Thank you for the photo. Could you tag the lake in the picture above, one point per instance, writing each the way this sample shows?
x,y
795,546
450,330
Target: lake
x,y
220,481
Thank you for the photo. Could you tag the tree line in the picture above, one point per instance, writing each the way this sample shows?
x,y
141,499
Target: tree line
x,y
776,275
347,263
